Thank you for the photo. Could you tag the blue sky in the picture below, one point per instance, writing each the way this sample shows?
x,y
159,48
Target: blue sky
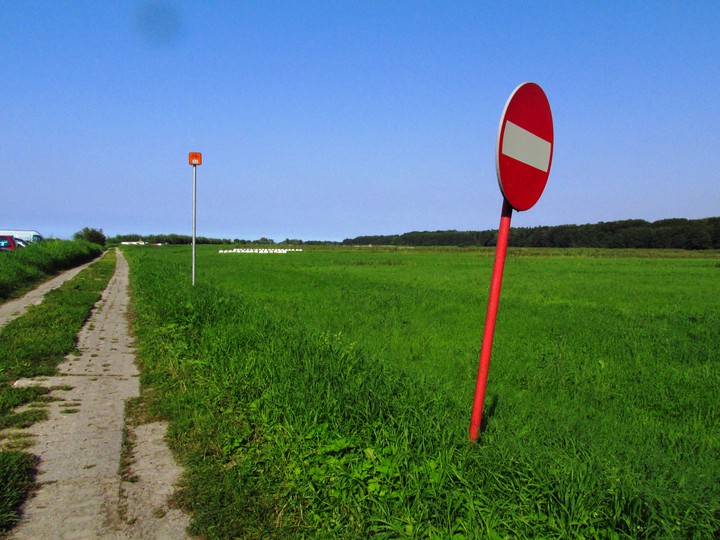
x,y
328,120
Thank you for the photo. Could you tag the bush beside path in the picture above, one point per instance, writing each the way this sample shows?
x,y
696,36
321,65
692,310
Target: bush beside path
x,y
21,269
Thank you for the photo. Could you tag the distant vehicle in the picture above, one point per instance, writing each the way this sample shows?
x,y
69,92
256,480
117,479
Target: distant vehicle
x,y
8,243
27,236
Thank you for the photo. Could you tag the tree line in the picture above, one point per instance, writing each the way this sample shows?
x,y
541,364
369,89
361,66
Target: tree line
x,y
675,233
187,239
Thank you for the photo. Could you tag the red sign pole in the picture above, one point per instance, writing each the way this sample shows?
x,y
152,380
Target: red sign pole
x,y
490,316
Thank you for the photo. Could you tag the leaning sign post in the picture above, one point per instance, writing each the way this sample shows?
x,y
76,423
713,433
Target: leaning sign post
x,y
195,159
523,158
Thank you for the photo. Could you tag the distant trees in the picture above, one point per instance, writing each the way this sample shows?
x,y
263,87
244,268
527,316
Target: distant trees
x,y
89,234
154,238
176,239
632,233
675,233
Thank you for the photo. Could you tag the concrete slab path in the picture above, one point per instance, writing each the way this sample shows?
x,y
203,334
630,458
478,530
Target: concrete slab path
x,y
81,493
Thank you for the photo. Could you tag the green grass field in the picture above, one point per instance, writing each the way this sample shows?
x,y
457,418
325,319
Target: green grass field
x,y
327,393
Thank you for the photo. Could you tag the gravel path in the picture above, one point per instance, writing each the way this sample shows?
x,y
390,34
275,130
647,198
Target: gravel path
x,y
81,493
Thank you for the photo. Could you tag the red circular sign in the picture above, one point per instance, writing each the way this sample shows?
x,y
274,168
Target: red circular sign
x,y
525,146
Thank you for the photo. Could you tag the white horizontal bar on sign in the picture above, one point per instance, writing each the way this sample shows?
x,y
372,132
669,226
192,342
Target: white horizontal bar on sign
x,y
520,144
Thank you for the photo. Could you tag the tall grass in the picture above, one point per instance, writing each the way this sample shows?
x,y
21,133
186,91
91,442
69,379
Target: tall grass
x,y
301,410
23,267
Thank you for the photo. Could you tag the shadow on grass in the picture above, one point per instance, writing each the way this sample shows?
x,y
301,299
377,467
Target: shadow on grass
x,y
488,413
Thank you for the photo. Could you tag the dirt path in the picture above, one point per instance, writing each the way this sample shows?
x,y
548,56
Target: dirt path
x,y
81,493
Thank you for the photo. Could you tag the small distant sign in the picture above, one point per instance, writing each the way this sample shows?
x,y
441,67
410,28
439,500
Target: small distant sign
x,y
195,158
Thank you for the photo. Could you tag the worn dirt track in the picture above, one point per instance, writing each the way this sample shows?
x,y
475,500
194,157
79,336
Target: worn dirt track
x,y
81,493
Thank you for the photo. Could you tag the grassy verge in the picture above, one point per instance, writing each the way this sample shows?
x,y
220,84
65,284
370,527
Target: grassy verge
x,y
22,268
300,411
17,472
33,345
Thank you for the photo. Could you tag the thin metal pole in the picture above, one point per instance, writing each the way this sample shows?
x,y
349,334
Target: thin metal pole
x,y
490,316
193,221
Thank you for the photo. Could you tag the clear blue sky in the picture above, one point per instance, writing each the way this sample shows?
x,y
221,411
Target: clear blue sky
x,y
328,120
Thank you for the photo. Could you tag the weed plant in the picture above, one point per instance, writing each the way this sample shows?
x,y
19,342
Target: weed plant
x,y
327,394
21,268
33,345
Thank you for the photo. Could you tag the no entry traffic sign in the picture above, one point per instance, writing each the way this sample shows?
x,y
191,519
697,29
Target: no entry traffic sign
x,y
525,146
523,159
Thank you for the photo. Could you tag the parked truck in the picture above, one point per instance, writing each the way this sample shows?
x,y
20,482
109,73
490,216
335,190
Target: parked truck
x,y
27,236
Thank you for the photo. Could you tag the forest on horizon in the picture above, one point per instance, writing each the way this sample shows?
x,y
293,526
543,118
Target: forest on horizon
x,y
675,233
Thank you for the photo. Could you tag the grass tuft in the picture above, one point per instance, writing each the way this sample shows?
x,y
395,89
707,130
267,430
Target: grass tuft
x,y
17,474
